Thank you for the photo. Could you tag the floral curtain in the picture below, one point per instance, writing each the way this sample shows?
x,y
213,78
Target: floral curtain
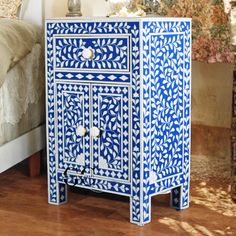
x,y
211,27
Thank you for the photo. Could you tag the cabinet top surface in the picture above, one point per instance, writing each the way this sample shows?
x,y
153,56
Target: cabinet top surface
x,y
137,19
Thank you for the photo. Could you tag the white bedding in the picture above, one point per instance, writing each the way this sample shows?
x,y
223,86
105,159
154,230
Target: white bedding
x,y
22,96
32,118
17,38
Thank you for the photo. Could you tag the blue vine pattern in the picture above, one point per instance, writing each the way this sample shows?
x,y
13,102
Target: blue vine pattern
x,y
111,115
166,55
109,53
110,124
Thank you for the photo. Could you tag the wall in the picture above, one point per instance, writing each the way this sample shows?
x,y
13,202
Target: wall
x,y
55,8
211,94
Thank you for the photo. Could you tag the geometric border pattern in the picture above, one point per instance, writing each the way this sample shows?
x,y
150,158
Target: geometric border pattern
x,y
89,182
76,76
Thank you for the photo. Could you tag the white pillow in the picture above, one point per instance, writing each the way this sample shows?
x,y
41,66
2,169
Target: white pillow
x,y
32,11
10,8
23,8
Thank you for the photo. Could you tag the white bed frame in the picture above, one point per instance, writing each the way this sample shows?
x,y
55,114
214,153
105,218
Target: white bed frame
x,y
21,148
32,142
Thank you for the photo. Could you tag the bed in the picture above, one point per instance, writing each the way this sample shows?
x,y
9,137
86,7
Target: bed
x,y
22,109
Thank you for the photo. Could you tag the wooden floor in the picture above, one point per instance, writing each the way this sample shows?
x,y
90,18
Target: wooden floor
x,y
24,211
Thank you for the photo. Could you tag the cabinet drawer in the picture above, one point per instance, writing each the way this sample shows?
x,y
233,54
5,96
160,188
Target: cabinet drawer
x,y
92,52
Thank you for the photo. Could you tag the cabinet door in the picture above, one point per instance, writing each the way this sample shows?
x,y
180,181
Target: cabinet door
x,y
72,117
110,150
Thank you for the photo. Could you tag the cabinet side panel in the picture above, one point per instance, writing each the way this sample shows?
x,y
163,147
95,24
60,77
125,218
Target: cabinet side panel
x,y
166,86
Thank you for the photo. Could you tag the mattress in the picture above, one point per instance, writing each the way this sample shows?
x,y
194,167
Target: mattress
x,y
22,96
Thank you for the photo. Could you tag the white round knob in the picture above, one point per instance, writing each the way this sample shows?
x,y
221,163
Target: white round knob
x,y
87,53
81,131
94,132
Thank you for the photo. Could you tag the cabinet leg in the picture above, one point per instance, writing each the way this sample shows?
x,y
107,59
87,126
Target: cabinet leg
x,y
140,211
180,197
57,193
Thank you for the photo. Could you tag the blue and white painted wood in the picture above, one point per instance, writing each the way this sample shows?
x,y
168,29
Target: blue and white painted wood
x,y
118,109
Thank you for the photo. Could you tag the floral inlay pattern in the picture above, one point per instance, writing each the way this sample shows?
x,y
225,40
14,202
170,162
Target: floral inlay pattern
x,y
72,112
119,158
111,126
73,118
166,110
111,115
167,103
108,53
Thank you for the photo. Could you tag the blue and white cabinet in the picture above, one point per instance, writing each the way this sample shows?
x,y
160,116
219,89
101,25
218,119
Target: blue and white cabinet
x,y
118,108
